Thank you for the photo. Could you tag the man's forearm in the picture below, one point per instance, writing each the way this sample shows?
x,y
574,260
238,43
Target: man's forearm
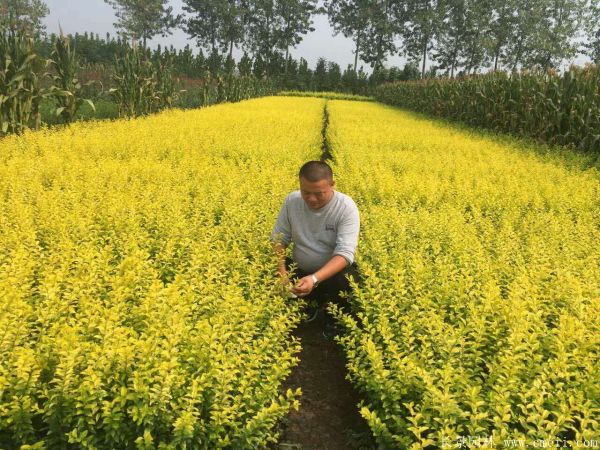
x,y
333,266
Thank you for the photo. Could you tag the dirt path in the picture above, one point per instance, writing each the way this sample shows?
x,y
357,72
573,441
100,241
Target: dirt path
x,y
328,417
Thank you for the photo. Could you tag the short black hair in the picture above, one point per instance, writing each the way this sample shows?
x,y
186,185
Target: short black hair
x,y
316,171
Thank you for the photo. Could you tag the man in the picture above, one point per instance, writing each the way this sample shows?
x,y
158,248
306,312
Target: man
x,y
324,225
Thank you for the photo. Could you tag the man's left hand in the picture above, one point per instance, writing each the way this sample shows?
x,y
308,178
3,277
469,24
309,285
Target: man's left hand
x,y
304,286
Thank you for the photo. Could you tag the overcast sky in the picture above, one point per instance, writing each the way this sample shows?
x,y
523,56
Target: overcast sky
x,y
98,17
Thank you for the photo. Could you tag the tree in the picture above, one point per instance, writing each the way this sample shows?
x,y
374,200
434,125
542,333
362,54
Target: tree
x,y
386,20
26,15
216,23
305,76
334,76
556,37
144,19
351,18
410,72
215,63
245,65
320,75
477,19
349,79
424,17
296,17
501,28
263,25
459,37
524,32
274,25
592,46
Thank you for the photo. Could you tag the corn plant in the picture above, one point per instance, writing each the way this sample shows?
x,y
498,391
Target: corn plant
x,y
165,92
20,90
133,77
552,108
67,88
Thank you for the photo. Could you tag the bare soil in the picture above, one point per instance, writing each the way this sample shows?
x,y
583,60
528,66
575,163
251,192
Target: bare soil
x,y
328,417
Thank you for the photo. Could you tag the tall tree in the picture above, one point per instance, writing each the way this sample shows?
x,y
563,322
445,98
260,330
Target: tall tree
x,y
203,24
424,17
592,45
526,27
296,18
502,28
351,18
450,35
23,14
477,20
385,22
144,19
263,27
274,25
557,37
216,23
460,35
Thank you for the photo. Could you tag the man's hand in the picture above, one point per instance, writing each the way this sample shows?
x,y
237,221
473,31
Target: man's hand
x,y
304,286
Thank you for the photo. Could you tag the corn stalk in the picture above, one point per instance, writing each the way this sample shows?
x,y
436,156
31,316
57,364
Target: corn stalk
x,y
135,84
547,106
143,86
20,90
67,88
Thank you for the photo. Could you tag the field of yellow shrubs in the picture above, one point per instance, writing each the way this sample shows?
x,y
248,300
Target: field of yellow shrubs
x,y
479,314
139,309
137,305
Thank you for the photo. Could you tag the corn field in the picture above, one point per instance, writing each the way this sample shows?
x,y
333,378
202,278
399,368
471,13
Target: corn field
x,y
20,89
551,108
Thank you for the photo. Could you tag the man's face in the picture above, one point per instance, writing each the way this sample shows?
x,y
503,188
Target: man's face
x,y
316,194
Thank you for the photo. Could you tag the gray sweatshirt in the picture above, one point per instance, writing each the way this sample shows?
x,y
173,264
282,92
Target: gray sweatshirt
x,y
320,234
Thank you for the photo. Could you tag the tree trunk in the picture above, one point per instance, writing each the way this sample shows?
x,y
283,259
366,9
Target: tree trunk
x,y
287,54
231,48
356,52
424,60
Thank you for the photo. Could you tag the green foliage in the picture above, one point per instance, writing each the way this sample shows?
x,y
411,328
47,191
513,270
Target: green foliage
x,y
23,15
555,109
144,20
142,86
67,87
20,88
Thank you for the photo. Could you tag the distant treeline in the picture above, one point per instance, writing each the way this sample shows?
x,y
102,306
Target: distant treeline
x,y
98,51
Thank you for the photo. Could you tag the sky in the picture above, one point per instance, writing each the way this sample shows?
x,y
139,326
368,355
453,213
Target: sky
x,y
98,17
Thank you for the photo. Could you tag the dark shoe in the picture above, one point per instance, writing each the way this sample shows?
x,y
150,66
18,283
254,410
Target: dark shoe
x,y
331,330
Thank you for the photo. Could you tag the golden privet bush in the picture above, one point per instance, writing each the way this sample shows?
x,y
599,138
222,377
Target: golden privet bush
x,y
478,317
137,307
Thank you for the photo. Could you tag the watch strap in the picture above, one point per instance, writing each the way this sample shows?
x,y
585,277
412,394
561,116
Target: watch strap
x,y
315,280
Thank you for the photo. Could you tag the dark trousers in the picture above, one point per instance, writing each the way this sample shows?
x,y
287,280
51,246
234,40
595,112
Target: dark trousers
x,y
329,290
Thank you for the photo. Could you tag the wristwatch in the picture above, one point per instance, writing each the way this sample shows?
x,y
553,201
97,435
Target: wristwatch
x,y
315,280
